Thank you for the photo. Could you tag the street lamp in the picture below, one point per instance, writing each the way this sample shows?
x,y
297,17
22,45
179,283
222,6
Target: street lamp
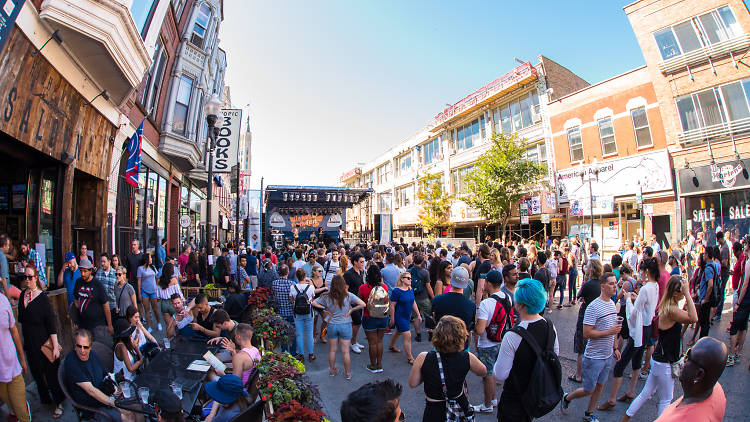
x,y
211,108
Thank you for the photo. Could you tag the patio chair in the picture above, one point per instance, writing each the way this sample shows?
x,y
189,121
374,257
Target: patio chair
x,y
253,413
77,407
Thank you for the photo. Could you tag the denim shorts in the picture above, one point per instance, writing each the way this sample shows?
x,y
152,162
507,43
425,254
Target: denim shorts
x,y
147,295
340,331
372,324
596,371
488,356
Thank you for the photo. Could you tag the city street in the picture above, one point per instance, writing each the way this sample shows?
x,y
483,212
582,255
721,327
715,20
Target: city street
x,y
735,380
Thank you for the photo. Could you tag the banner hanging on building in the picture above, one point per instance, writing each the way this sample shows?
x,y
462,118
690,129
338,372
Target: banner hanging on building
x,y
385,229
228,141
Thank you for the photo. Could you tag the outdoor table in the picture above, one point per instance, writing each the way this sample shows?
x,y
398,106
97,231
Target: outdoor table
x,y
167,367
191,345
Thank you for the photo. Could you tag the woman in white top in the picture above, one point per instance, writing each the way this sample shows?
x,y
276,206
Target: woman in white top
x,y
639,315
140,334
127,357
168,285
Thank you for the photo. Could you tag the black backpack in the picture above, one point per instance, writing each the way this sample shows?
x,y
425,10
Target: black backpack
x,y
302,302
417,284
544,390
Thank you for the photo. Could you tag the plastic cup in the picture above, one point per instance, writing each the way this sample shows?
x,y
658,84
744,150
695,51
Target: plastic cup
x,y
619,320
177,390
166,343
143,394
125,388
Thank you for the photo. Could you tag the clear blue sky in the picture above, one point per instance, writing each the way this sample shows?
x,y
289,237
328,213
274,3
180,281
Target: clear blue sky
x,y
333,83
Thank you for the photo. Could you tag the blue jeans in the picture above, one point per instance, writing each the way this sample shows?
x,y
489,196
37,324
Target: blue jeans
x,y
720,305
572,282
304,326
561,279
291,345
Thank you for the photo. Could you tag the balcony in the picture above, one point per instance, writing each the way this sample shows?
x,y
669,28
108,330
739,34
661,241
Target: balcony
x,y
102,36
715,132
183,152
702,55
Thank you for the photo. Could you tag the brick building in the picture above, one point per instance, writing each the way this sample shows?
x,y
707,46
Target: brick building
x,y
696,57
610,151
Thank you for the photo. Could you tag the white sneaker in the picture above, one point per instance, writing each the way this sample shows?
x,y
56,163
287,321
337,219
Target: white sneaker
x,y
479,408
494,402
158,326
355,348
359,346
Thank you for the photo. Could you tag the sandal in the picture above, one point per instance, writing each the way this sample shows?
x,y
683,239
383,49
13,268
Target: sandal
x,y
393,349
410,361
606,406
324,341
333,372
311,357
349,376
625,398
59,410
574,379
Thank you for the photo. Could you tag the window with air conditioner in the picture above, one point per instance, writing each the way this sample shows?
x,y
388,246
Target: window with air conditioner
x,y
200,28
699,31
607,136
640,124
575,145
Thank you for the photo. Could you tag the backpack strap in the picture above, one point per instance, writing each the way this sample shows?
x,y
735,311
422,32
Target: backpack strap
x,y
526,335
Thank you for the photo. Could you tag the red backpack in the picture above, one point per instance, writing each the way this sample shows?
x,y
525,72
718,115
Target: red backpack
x,y
502,318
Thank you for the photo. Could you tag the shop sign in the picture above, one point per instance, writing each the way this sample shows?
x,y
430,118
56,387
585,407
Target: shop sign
x,y
648,210
524,219
726,175
228,141
184,221
545,218
533,205
652,170
460,211
43,110
8,14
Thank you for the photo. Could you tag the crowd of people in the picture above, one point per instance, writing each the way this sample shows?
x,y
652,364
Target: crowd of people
x,y
485,309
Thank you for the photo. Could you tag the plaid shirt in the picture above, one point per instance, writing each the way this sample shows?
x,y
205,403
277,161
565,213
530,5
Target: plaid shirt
x,y
281,288
39,266
108,279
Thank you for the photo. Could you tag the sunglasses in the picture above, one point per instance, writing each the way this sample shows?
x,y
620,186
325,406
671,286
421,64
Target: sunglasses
x,y
119,274
28,277
82,347
406,278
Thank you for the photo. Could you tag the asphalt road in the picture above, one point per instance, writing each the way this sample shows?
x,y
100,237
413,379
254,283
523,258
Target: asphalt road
x,y
735,381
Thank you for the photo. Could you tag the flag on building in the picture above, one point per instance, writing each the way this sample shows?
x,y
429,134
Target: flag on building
x,y
134,156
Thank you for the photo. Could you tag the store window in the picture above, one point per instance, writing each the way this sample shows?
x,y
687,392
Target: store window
x,y
700,31
182,104
161,215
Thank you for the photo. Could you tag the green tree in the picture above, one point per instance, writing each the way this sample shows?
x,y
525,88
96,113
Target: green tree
x,y
435,209
500,177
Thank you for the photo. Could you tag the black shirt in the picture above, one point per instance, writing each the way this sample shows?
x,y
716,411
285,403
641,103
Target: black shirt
x,y
481,270
235,304
77,371
353,280
90,298
455,304
132,262
455,368
524,361
542,275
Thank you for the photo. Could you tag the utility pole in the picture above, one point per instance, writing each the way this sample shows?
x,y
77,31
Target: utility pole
x,y
260,207
237,208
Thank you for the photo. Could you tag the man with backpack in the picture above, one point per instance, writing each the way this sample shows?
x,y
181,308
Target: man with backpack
x,y
422,292
495,316
527,363
600,326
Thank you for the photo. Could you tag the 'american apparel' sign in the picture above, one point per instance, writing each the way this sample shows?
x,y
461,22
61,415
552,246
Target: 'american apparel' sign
x,y
228,141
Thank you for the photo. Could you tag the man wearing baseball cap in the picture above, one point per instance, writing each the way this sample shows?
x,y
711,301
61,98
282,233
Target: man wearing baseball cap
x,y
455,303
68,275
92,304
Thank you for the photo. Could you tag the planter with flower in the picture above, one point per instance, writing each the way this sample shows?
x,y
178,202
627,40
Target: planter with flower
x,y
259,298
293,411
282,380
270,329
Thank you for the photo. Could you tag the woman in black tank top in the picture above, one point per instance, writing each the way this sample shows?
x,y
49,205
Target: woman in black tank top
x,y
667,350
448,339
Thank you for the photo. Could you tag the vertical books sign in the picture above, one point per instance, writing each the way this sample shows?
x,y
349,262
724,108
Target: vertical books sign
x,y
228,141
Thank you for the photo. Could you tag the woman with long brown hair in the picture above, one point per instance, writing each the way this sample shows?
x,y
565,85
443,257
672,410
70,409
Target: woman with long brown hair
x,y
443,284
338,305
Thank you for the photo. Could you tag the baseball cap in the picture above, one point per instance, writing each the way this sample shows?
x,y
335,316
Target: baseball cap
x,y
459,278
494,277
69,256
168,403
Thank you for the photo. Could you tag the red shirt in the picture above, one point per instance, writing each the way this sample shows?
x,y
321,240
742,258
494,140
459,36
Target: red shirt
x,y
364,294
737,271
709,410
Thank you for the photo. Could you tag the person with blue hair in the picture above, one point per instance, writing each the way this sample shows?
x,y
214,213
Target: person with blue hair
x,y
516,359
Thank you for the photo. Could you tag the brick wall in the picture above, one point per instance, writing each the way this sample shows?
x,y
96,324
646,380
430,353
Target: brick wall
x,y
560,78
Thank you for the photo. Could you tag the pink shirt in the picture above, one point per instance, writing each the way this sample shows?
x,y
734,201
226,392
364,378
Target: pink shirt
x,y
9,366
709,410
663,280
182,261
255,356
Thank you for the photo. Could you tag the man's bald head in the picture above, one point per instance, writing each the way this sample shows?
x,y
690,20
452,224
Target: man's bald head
x,y
703,367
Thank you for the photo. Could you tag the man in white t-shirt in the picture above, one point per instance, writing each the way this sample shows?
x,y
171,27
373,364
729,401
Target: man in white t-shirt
x,y
331,268
600,327
487,349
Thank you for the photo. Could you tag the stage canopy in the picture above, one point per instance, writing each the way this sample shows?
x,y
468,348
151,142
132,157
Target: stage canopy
x,y
315,200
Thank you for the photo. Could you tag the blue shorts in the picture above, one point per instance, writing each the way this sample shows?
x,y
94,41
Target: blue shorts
x,y
340,331
488,356
147,295
596,371
372,324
